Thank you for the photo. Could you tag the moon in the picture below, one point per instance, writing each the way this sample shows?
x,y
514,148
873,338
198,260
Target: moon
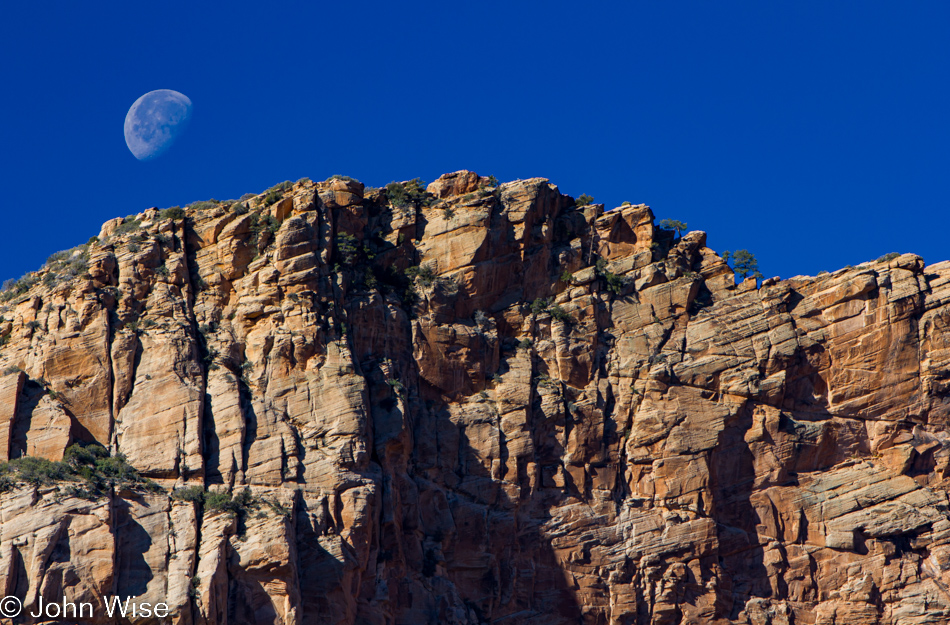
x,y
155,121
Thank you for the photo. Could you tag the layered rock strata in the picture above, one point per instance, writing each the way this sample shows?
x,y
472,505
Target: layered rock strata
x,y
478,404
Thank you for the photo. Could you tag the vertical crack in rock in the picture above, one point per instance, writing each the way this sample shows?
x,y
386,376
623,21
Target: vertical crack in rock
x,y
474,403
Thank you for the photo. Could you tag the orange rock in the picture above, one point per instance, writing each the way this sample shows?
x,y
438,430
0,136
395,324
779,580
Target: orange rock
x,y
452,412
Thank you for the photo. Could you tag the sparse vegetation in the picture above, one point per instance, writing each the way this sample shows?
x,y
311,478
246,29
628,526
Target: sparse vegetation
x,y
15,288
675,225
424,273
264,225
202,205
584,200
286,185
744,263
888,257
193,585
90,469
546,380
615,282
131,223
189,493
221,501
271,198
559,313
339,177
175,212
539,305
66,265
347,248
408,193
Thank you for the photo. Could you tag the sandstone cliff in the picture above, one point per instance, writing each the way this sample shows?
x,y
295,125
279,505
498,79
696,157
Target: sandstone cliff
x,y
475,404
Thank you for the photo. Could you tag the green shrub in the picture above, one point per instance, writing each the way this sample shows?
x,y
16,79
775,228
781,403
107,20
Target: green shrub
x,y
240,208
57,257
15,288
339,177
89,467
271,198
492,181
526,343
539,305
888,257
203,205
286,185
347,248
220,501
279,508
423,273
546,380
77,456
584,200
189,493
408,193
369,279
566,276
615,282
559,313
175,212
130,224
217,500
259,225
193,585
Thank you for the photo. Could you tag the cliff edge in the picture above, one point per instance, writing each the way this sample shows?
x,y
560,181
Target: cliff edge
x,y
470,403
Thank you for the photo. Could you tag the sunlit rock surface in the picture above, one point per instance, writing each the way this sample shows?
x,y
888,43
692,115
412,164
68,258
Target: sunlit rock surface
x,y
563,415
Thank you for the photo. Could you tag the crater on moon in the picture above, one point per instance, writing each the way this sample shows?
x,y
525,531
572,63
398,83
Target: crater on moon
x,y
155,121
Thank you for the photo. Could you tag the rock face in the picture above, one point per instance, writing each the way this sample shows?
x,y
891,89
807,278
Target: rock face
x,y
562,415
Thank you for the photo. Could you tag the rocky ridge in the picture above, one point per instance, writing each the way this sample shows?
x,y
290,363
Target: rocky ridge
x,y
475,403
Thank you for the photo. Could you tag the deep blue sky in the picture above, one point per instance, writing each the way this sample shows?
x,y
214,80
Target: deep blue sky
x,y
815,134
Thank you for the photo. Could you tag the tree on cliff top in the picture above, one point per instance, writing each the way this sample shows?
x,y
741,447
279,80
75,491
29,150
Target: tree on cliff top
x,y
744,263
675,225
